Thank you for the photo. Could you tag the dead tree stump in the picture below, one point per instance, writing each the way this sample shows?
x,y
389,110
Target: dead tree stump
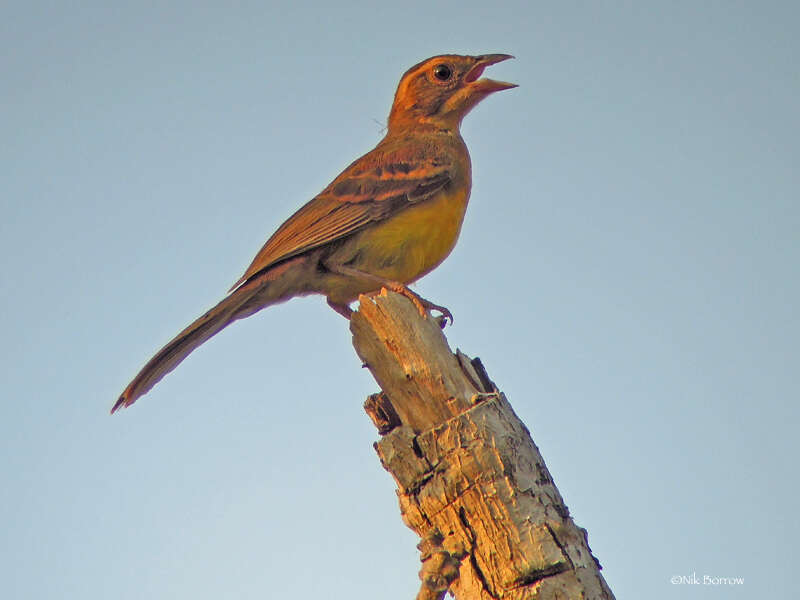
x,y
470,481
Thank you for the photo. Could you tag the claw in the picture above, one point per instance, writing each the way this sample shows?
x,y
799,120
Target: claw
x,y
423,305
446,314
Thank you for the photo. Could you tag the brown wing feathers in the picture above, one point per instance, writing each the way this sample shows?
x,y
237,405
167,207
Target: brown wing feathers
x,y
350,203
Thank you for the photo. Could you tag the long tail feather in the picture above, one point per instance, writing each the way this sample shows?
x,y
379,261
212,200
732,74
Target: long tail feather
x,y
252,296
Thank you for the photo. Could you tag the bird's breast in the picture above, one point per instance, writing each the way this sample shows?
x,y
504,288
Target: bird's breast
x,y
409,244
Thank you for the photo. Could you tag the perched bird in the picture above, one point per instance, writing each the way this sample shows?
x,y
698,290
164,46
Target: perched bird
x,y
387,220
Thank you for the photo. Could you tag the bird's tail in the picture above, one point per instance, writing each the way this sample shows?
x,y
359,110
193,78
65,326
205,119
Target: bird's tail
x,y
257,293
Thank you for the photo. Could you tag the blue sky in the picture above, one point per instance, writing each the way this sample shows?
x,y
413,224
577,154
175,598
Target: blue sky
x,y
627,272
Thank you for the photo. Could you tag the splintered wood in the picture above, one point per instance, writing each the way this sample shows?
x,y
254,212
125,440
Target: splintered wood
x,y
471,482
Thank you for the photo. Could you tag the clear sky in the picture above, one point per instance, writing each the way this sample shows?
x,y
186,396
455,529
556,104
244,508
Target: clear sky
x,y
627,271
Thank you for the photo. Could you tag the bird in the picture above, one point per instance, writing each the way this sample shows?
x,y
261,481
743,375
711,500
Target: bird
x,y
389,218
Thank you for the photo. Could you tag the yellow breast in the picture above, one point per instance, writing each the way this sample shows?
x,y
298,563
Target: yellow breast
x,y
409,244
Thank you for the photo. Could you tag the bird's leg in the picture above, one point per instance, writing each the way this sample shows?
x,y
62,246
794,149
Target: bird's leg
x,y
342,309
421,303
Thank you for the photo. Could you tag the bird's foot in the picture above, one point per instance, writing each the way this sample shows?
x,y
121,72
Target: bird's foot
x,y
423,305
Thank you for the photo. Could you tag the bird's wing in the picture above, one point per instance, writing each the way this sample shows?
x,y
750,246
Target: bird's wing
x,y
356,198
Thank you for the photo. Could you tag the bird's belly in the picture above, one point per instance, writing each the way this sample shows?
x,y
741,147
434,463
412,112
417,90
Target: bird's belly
x,y
406,246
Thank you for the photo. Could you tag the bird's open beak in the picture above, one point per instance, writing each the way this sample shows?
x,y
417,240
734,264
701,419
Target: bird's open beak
x,y
487,86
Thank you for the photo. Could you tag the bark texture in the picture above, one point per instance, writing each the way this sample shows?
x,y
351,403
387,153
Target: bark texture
x,y
470,481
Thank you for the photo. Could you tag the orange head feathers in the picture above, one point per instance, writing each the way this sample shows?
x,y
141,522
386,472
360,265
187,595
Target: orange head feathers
x,y
441,90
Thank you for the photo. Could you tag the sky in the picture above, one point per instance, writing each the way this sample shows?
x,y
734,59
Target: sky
x,y
627,272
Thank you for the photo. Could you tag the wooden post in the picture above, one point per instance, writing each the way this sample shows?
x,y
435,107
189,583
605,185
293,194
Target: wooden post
x,y
470,480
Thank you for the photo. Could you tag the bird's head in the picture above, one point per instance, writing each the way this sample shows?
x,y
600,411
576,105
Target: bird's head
x,y
441,90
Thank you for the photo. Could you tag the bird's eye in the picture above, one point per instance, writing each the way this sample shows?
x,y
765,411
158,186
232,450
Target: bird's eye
x,y
442,72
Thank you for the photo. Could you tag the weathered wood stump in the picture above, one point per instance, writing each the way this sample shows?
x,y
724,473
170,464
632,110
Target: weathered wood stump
x,y
470,481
